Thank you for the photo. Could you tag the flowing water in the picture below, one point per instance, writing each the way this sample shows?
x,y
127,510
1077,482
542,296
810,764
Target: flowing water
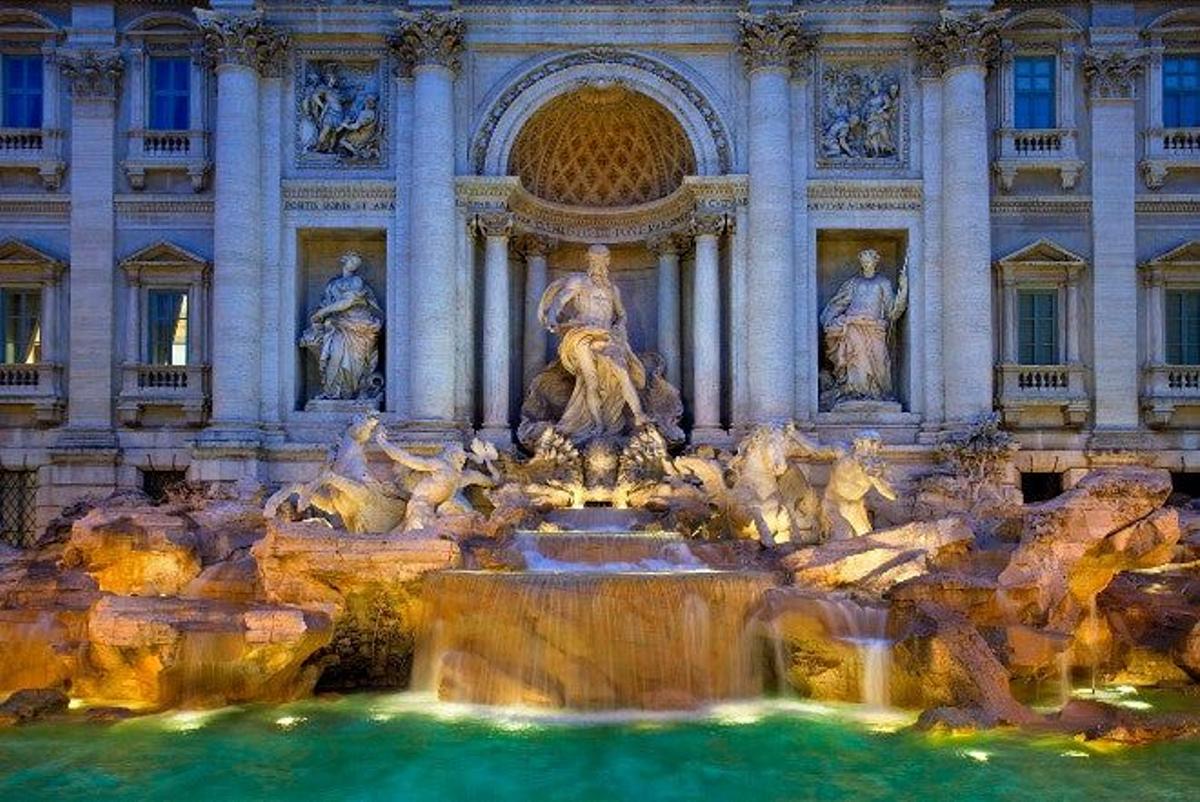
x,y
590,640
409,748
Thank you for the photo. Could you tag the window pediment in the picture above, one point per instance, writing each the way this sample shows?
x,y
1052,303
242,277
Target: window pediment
x,y
1042,260
23,26
20,261
165,262
1182,257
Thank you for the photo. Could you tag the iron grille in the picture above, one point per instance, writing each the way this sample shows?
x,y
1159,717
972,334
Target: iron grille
x,y
18,497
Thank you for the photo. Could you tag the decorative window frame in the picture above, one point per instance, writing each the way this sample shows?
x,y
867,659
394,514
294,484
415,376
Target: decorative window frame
x,y
38,149
1167,388
1039,33
1168,149
38,386
178,36
164,265
1025,390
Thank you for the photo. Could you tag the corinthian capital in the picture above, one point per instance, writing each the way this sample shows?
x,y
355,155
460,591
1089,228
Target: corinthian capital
x,y
706,224
494,223
961,38
429,38
1112,73
94,74
774,40
242,39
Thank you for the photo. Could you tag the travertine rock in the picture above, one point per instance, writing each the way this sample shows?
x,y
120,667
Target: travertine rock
x,y
941,660
163,652
877,561
31,704
1074,545
137,551
310,564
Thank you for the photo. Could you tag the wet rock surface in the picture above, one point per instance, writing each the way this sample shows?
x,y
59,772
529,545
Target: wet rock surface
x,y
31,704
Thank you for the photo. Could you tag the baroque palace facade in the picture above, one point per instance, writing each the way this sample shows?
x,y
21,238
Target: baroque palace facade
x,y
187,195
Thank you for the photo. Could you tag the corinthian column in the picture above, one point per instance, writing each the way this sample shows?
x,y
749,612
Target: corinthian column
x,y
706,327
496,228
94,78
666,248
242,46
1111,76
431,44
771,43
535,250
959,47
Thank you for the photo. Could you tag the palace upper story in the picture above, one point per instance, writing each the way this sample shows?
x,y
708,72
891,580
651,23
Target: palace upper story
x,y
179,185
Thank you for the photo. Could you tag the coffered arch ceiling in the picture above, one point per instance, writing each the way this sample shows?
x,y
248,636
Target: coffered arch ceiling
x,y
602,145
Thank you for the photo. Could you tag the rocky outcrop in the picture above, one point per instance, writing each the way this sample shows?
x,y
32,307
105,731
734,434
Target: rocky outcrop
x,y
1099,721
308,563
877,561
28,705
138,551
941,660
163,652
1074,545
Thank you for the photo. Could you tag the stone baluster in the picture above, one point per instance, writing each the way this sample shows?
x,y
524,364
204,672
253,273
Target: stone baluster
x,y
706,327
496,227
243,47
771,44
535,250
94,79
1112,76
430,43
960,47
666,247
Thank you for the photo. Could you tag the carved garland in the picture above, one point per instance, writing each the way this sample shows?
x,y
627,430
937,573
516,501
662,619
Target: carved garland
x,y
601,55
93,74
1112,74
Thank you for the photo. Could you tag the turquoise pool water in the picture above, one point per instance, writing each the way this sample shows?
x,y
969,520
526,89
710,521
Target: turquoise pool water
x,y
404,748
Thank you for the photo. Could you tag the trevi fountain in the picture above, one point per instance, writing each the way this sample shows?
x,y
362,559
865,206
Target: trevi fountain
x,y
638,579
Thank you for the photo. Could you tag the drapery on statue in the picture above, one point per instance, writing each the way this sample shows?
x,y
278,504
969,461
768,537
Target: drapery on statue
x,y
598,386
344,334
858,323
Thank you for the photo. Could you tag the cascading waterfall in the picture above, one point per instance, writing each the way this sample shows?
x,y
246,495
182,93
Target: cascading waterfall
x,y
866,628
634,624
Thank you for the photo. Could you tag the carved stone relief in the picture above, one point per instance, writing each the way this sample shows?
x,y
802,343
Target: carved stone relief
x,y
340,113
861,115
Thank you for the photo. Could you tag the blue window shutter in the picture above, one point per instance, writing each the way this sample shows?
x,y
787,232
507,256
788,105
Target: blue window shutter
x,y
1034,92
170,94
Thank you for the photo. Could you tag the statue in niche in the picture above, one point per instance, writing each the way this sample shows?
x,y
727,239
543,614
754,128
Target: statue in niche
x,y
597,387
860,114
858,323
343,333
339,111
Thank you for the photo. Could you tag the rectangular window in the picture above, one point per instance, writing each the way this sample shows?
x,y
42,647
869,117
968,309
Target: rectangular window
x,y
1181,91
167,322
170,93
18,496
1037,327
22,89
1033,91
20,320
1183,327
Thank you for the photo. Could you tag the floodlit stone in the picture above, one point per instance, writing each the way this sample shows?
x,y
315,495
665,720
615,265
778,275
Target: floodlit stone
x,y
142,552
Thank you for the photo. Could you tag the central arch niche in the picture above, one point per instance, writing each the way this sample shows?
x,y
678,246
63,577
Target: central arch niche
x,y
602,146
